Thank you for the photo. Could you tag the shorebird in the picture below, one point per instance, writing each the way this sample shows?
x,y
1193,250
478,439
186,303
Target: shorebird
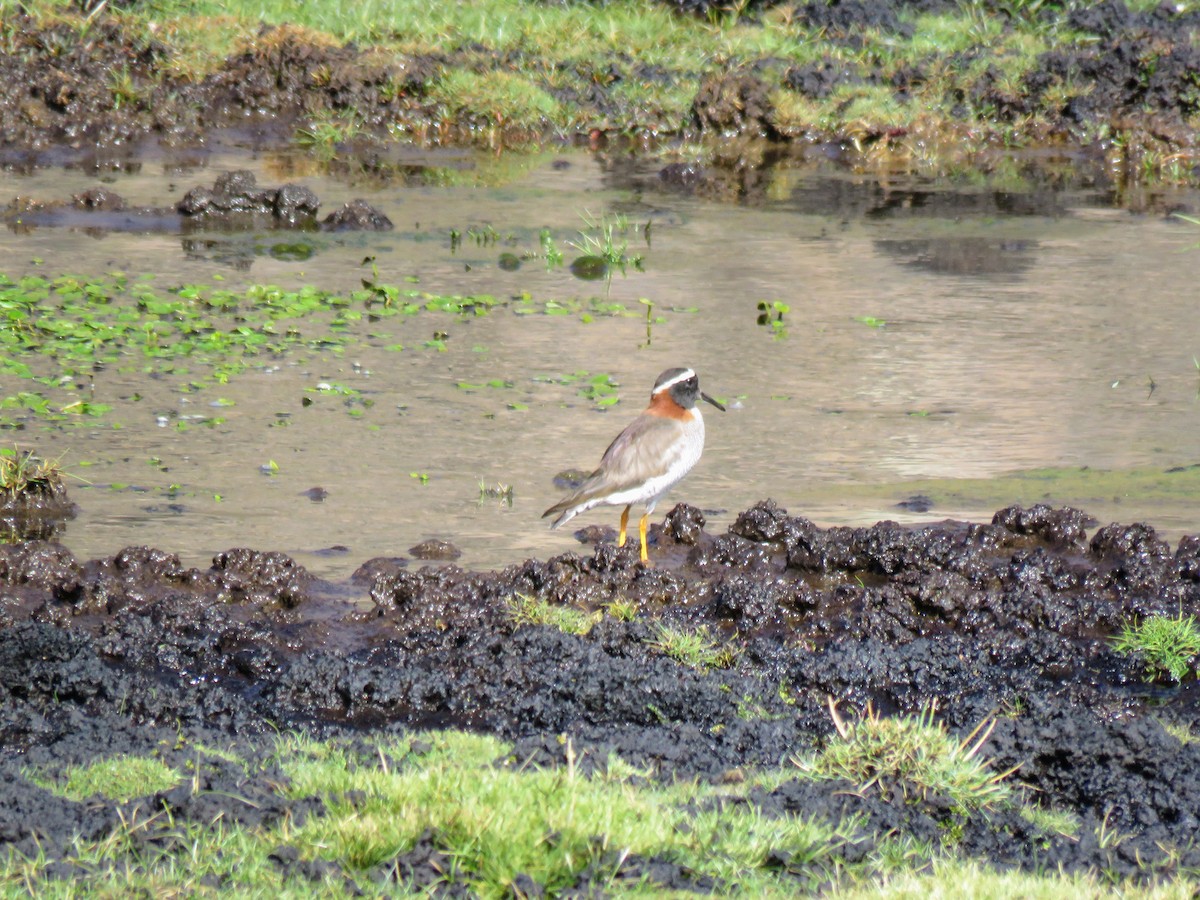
x,y
648,458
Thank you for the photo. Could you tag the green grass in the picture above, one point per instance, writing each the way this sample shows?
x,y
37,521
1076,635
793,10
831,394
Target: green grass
x,y
500,100
491,818
323,135
526,610
496,822
1168,645
959,878
119,778
622,609
693,647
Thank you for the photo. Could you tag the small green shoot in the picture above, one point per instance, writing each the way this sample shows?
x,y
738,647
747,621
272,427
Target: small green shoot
x,y
1167,644
651,319
501,492
422,477
870,321
550,251
603,246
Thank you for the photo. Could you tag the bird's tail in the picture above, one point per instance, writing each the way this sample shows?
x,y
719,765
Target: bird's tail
x,y
589,494
567,510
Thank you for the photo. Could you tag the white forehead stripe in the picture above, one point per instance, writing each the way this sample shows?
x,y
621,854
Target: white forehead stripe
x,y
682,376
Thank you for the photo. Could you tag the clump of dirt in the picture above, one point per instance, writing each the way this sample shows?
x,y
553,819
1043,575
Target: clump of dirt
x,y
1011,618
234,202
737,103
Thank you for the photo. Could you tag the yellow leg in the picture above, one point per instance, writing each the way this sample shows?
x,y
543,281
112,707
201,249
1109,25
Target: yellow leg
x,y
642,535
624,522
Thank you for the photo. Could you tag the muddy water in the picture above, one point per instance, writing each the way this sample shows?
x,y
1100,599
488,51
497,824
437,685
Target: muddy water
x,y
938,339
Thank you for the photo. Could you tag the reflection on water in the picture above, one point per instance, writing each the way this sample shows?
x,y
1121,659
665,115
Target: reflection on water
x,y
964,256
917,332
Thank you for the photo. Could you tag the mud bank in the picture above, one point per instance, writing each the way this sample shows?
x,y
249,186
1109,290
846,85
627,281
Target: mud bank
x,y
1112,83
1012,619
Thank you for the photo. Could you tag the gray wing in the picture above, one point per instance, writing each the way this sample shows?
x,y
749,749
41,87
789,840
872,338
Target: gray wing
x,y
645,449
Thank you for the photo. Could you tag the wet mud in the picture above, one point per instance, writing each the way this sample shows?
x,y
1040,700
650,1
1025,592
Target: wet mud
x,y
1013,619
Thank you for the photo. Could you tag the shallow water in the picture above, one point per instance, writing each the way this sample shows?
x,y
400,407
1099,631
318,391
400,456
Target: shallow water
x,y
936,332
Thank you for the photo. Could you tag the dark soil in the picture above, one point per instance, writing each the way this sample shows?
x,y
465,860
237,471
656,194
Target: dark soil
x,y
1011,619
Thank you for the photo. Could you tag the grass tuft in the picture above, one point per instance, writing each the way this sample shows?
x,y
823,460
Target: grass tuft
x,y
498,99
526,610
696,648
913,755
622,609
23,472
1167,644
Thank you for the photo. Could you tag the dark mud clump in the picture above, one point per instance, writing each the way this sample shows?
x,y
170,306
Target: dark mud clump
x,y
235,202
1013,618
